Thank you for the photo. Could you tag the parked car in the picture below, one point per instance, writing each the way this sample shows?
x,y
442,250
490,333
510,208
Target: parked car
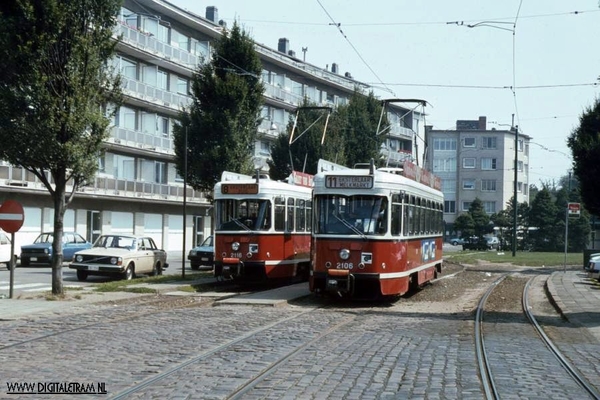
x,y
475,243
5,251
493,243
203,254
593,267
40,252
120,255
456,241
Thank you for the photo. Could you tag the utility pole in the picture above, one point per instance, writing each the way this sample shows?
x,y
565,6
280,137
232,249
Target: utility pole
x,y
515,202
304,50
185,151
567,223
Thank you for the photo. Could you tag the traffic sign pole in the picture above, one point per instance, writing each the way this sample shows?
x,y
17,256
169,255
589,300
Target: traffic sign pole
x,y
13,265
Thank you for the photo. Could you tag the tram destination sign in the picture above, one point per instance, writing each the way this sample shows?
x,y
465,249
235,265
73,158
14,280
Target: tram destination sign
x,y
239,188
349,182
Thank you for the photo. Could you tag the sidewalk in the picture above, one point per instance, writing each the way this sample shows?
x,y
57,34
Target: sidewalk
x,y
578,298
81,301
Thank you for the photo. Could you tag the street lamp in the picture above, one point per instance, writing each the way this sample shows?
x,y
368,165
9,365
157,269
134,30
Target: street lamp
x,y
185,151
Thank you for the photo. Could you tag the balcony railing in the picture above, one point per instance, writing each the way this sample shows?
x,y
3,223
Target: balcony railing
x,y
152,94
106,186
147,141
147,42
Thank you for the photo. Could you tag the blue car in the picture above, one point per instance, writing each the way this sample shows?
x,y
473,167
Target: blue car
x,y
203,254
40,252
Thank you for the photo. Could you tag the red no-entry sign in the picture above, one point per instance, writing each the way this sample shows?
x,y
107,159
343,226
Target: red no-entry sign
x,y
11,216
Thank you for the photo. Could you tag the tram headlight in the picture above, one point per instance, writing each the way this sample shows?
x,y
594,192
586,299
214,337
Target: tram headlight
x,y
344,254
235,246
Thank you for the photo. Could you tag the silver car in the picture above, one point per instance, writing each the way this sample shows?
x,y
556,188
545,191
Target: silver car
x,y
120,255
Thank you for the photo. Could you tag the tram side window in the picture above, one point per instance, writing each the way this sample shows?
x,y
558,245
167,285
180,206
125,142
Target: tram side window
x,y
290,215
300,215
308,215
396,214
279,214
428,219
411,216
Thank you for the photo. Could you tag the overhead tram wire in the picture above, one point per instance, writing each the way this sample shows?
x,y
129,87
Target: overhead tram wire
x,y
338,26
383,24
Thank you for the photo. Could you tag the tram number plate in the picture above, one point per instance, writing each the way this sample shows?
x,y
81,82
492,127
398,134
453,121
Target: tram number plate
x,y
349,182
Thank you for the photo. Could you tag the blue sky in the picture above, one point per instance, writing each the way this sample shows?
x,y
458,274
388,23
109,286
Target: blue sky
x,y
543,71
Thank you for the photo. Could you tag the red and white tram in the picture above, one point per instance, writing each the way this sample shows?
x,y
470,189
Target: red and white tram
x,y
262,228
376,232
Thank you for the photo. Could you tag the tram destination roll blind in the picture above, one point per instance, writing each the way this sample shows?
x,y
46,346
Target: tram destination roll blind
x,y
349,182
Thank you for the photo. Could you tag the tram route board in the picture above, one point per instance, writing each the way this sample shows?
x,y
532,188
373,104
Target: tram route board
x,y
239,188
349,182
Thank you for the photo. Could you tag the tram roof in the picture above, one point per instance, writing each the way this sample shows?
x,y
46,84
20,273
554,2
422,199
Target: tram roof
x,y
266,187
383,179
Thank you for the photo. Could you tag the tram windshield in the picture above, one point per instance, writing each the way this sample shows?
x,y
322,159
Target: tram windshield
x,y
244,214
353,215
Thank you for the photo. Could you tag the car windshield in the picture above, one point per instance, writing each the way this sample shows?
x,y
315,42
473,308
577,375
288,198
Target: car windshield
x,y
208,242
116,241
44,238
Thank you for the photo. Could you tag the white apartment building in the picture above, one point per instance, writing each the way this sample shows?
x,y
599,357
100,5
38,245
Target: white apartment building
x,y
474,162
137,189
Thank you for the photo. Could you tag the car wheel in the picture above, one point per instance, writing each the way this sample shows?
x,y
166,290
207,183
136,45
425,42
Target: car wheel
x,y
454,243
155,269
24,263
195,267
128,274
82,275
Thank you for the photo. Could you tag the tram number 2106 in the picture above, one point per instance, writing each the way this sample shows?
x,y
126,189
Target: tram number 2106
x,y
344,265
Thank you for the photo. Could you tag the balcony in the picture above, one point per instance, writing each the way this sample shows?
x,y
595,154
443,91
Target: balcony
x,y
151,94
148,43
147,141
25,181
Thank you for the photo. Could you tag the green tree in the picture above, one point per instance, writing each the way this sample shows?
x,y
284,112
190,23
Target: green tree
x,y
542,217
54,84
465,225
222,121
359,120
481,220
584,143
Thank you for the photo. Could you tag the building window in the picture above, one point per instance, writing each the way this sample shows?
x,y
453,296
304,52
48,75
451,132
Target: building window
x,y
520,145
488,163
489,207
488,185
444,165
160,172
520,166
469,184
519,187
449,206
466,205
449,185
469,142
182,86
469,162
488,142
443,144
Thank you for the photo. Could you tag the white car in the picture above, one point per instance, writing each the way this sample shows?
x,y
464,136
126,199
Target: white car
x,y
5,251
120,255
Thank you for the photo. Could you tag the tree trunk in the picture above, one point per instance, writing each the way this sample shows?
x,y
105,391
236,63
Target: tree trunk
x,y
57,246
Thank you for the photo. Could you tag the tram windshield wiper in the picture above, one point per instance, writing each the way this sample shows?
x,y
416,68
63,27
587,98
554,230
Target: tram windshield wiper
x,y
238,223
350,226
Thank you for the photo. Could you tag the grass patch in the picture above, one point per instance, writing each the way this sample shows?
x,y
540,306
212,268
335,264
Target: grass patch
x,y
530,259
122,285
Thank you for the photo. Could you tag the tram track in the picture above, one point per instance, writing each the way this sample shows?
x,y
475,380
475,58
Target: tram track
x,y
545,361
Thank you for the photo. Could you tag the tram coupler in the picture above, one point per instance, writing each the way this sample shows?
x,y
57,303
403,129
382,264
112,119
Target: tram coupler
x,y
231,268
339,281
